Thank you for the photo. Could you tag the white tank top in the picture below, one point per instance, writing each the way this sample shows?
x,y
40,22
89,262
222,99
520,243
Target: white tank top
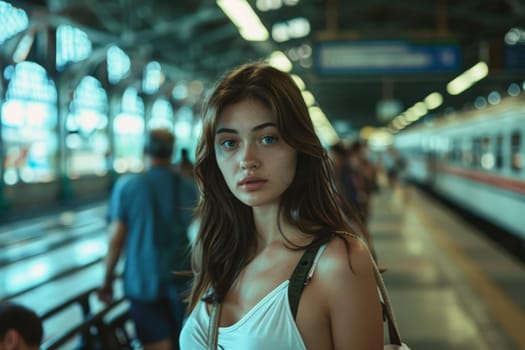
x,y
268,325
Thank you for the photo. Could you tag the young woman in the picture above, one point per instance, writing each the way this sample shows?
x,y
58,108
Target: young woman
x,y
267,197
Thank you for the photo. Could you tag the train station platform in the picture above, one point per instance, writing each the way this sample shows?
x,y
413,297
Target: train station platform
x,y
451,287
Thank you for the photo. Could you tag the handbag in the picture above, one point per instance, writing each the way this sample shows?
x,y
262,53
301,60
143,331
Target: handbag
x,y
395,342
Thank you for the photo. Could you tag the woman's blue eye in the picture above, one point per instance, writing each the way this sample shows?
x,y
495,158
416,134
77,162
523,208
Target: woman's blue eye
x,y
228,143
269,139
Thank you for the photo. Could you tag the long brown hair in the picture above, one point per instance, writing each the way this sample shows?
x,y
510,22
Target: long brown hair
x,y
226,240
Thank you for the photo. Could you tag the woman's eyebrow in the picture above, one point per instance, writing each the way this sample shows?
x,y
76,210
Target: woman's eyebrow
x,y
263,125
255,128
226,130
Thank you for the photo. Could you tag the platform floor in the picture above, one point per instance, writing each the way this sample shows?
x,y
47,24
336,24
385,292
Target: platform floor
x,y
451,287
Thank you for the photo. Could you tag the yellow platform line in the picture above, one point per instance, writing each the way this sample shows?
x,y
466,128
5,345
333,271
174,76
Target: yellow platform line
x,y
504,310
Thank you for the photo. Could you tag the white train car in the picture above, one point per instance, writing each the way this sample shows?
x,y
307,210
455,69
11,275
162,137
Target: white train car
x,y
475,159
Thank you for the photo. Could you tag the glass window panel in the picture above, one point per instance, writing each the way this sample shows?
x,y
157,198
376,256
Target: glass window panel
x,y
73,45
487,160
161,115
466,153
456,151
29,81
128,128
14,20
153,78
118,64
189,130
516,152
476,152
29,119
499,151
87,138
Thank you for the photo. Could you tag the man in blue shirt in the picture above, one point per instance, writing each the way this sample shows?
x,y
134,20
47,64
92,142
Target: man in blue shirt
x,y
150,213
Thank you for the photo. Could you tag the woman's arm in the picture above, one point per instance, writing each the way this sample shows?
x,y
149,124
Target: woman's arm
x,y
352,298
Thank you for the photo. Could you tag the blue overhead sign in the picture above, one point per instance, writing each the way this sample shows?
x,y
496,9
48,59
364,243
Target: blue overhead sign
x,y
385,57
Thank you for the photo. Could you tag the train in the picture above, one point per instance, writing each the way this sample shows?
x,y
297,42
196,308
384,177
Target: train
x,y
474,159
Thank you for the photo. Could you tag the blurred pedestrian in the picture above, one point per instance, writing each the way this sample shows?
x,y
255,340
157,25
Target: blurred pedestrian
x,y
348,179
20,327
364,175
343,174
150,214
185,166
271,229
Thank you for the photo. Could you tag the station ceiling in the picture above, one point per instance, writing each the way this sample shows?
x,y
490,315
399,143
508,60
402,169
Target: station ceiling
x,y
195,37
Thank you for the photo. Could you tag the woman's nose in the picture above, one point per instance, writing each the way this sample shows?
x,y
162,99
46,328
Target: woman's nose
x,y
249,164
249,159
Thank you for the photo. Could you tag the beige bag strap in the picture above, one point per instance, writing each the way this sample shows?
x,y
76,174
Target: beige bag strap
x,y
393,331
213,327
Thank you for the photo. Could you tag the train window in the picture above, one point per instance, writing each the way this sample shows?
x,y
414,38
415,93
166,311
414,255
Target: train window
x,y
29,120
476,152
466,154
87,139
456,151
487,155
499,151
516,152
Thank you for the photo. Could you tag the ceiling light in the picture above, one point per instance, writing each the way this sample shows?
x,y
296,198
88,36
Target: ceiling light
x,y
279,60
468,78
293,29
434,100
309,99
242,15
513,90
514,36
323,128
494,98
267,5
420,109
298,81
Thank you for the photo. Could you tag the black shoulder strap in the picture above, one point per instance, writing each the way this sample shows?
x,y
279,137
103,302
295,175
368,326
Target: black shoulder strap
x,y
298,279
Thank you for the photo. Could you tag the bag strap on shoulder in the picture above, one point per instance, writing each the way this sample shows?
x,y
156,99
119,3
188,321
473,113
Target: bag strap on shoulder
x,y
299,276
213,326
393,330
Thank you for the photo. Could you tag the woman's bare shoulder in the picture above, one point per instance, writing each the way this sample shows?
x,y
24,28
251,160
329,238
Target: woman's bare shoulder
x,y
348,293
343,254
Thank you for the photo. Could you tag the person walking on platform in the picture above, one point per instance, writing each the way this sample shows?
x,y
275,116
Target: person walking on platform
x,y
185,166
150,214
20,328
347,187
271,225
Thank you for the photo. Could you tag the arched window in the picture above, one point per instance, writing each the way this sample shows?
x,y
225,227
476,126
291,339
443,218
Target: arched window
x,y
86,126
128,127
185,132
161,115
73,45
14,20
29,119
